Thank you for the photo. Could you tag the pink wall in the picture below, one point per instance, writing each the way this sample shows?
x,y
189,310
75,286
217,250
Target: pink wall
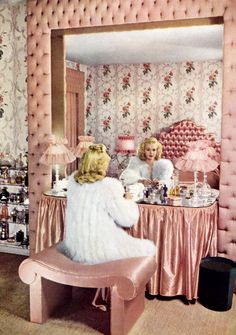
x,y
46,15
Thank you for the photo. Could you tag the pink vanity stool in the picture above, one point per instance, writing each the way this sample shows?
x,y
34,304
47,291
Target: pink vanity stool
x,y
51,276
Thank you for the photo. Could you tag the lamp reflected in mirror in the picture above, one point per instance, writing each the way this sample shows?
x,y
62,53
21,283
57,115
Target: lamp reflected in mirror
x,y
83,145
200,157
57,154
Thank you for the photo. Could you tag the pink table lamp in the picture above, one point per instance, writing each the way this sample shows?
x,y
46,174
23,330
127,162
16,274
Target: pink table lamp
x,y
56,154
199,157
84,143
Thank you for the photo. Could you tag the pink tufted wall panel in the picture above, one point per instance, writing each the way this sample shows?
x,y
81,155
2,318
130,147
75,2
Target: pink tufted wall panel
x,y
44,15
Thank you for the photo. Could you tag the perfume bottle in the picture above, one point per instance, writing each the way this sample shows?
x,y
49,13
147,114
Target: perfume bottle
x,y
4,231
4,213
19,178
5,193
13,215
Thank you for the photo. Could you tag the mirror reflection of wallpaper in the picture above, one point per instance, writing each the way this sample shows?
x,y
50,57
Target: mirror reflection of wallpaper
x,y
13,72
142,99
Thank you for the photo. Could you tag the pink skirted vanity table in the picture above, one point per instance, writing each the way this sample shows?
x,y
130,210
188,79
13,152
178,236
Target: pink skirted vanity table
x,y
183,236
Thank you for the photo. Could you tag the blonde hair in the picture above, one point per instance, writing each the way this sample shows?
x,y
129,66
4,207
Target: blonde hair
x,y
94,164
150,140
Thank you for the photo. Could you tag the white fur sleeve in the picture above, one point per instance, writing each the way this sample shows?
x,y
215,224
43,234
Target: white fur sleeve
x,y
131,174
163,171
123,211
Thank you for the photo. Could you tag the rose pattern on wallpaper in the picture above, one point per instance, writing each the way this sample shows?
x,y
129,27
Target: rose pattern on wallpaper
x,y
167,110
189,95
88,82
106,69
147,124
88,110
189,67
126,81
106,96
146,95
212,110
125,110
186,96
106,124
212,79
2,104
146,68
168,80
2,45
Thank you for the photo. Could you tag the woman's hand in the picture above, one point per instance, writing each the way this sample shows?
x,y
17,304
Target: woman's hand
x,y
128,196
155,182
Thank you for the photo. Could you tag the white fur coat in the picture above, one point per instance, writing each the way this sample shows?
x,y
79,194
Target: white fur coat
x,y
95,215
138,169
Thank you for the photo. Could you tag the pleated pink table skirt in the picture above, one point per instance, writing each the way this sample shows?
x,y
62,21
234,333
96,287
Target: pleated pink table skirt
x,y
183,236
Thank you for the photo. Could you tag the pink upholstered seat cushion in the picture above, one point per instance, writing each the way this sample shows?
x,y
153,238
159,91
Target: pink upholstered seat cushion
x,y
127,274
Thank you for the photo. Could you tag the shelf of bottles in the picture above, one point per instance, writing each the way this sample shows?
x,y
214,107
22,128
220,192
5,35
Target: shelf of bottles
x,y
14,205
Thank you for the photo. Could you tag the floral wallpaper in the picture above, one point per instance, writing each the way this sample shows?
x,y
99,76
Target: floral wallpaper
x,y
139,99
13,72
142,99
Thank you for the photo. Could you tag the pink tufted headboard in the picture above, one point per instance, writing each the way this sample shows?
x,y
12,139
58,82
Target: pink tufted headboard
x,y
47,15
175,138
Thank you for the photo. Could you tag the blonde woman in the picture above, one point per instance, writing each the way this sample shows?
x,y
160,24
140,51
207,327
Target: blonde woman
x,y
97,209
148,166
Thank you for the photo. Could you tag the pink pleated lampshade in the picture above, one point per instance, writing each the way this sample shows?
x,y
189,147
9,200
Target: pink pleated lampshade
x,y
57,152
84,143
125,144
199,157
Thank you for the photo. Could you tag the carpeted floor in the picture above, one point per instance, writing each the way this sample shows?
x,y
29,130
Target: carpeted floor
x,y
161,316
